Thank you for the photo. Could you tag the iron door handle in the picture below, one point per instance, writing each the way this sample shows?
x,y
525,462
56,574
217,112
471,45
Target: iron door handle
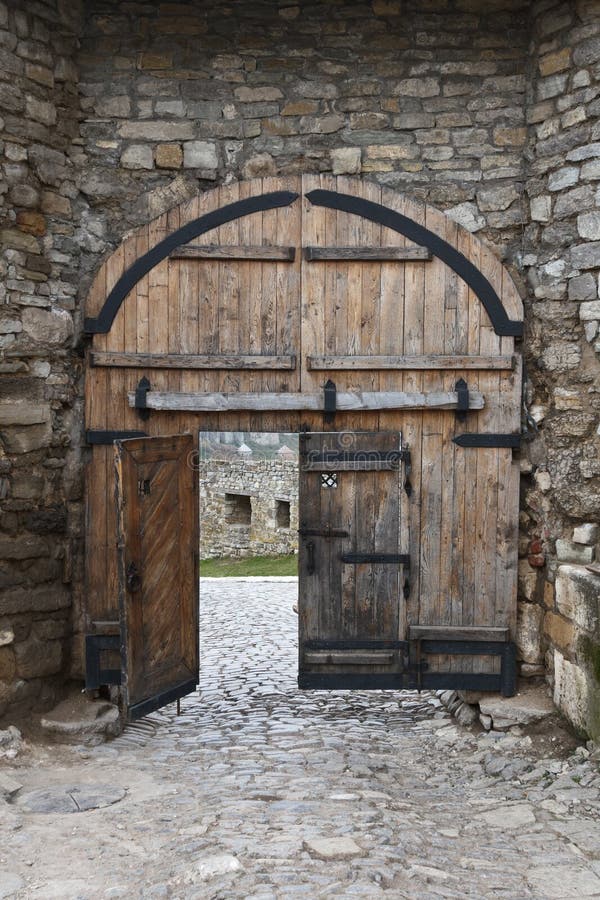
x,y
134,580
310,563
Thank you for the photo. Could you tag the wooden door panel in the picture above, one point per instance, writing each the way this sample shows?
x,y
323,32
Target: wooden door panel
x,y
349,566
157,570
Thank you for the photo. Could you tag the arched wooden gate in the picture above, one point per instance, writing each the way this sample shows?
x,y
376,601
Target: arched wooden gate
x,y
385,333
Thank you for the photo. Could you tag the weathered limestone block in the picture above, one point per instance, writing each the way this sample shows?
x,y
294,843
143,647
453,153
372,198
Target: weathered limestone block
x,y
23,412
588,225
157,131
169,156
571,691
467,215
25,439
561,356
47,326
137,156
589,311
200,155
586,256
42,598
38,659
569,551
583,287
529,628
586,534
560,632
528,581
578,596
346,160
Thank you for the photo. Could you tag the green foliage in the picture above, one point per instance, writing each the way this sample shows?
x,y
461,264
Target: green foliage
x,y
232,567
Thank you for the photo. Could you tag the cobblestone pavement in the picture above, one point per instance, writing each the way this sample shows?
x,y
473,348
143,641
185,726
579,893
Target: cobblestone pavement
x,y
260,791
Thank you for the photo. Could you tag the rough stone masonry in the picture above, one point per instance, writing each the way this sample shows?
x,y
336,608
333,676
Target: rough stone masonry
x,y
114,113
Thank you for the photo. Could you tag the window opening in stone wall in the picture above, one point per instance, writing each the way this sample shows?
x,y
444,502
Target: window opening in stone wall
x,y
238,509
282,514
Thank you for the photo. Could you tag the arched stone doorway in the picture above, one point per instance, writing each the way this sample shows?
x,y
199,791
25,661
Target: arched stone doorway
x,y
321,304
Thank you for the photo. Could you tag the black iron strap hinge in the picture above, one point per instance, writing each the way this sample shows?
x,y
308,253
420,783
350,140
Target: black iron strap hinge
x,y
329,401
141,400
462,399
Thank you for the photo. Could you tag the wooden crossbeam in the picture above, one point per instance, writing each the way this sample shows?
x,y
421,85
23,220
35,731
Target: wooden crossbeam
x,y
356,400
189,361
224,251
373,254
319,363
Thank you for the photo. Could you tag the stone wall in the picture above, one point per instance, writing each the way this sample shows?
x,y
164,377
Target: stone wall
x,y
487,110
561,260
241,509
40,371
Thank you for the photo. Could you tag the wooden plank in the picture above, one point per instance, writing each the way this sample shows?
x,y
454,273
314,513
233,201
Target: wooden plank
x,y
453,633
190,361
364,400
230,251
434,362
371,254
158,533
348,657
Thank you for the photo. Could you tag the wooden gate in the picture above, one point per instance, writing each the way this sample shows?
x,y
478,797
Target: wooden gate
x,y
327,304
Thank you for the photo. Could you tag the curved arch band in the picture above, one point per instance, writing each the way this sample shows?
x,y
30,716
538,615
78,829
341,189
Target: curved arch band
x,y
103,322
382,215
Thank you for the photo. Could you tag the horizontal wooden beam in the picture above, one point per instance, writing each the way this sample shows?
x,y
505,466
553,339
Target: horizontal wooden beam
x,y
373,254
188,361
319,363
348,657
457,633
273,402
225,251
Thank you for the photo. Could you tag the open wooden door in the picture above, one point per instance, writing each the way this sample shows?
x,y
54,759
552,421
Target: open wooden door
x,y
352,564
157,541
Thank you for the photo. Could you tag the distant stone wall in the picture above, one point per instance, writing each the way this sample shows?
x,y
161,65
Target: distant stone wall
x,y
40,371
248,508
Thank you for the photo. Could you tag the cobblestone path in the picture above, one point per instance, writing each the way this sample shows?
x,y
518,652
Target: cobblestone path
x,y
260,791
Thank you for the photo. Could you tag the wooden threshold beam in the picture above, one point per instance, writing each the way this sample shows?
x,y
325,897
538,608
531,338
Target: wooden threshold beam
x,y
319,363
189,361
272,401
374,254
224,251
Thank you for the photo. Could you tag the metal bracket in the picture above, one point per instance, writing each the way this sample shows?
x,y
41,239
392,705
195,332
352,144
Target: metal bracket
x,y
512,441
402,559
462,404
141,401
405,455
95,676
329,401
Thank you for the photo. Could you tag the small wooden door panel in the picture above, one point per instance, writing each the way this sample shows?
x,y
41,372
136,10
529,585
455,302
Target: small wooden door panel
x,y
350,601
157,541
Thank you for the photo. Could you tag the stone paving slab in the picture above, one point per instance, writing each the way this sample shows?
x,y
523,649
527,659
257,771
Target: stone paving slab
x,y
259,790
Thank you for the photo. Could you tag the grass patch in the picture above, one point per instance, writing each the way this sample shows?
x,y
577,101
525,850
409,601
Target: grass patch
x,y
232,567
